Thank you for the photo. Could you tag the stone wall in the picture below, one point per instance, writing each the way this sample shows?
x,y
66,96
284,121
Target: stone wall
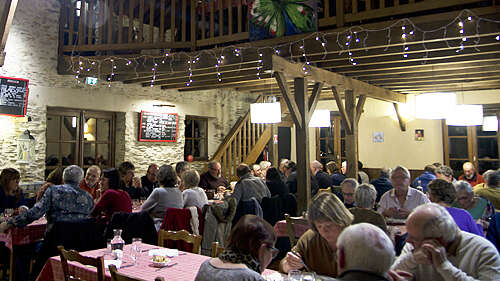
x,y
32,49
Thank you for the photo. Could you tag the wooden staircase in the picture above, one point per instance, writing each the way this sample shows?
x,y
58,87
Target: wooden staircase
x,y
243,144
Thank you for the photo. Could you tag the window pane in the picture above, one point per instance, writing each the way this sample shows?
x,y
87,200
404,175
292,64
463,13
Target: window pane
x,y
200,129
457,131
322,148
188,147
103,129
196,148
458,148
103,154
200,148
487,165
487,148
52,154
68,153
342,148
89,129
53,127
456,166
189,128
323,132
480,132
69,126
89,153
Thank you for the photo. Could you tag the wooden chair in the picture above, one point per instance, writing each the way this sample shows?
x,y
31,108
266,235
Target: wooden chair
x,y
290,222
329,189
180,235
117,276
73,255
216,249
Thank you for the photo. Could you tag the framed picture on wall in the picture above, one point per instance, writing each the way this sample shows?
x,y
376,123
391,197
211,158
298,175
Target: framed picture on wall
x,y
419,134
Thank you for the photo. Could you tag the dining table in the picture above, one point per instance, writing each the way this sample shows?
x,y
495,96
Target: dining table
x,y
19,236
183,266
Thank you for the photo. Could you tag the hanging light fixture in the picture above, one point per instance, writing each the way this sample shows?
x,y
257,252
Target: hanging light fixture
x,y
466,115
265,112
320,118
434,105
490,123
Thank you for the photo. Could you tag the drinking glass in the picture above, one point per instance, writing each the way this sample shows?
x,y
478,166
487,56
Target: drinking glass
x,y
136,249
294,275
8,213
308,276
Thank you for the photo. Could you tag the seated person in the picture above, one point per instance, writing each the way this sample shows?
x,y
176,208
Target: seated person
x,y
484,184
113,198
192,194
493,233
249,251
348,186
445,173
11,196
470,174
90,182
324,180
316,247
54,178
479,208
164,197
336,177
213,178
275,184
256,171
401,200
362,176
150,180
129,182
180,168
249,186
492,192
264,165
424,179
382,184
364,197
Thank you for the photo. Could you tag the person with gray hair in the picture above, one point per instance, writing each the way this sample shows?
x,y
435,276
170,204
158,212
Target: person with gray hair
x,y
492,191
437,250
66,202
192,194
364,196
348,186
324,180
478,207
445,173
401,200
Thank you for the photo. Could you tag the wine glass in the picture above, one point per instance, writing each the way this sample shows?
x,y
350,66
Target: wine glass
x,y
8,213
308,276
136,249
294,275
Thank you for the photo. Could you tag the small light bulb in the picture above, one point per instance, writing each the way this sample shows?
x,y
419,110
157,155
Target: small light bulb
x,y
464,39
403,36
461,31
469,18
323,44
461,24
403,27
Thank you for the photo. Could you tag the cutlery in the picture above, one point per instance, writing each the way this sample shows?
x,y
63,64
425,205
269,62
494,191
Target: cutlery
x,y
299,256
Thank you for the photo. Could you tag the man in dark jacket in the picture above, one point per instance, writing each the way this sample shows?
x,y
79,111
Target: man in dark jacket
x,y
323,179
382,184
424,179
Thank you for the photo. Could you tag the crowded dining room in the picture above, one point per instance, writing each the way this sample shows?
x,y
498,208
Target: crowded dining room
x,y
255,140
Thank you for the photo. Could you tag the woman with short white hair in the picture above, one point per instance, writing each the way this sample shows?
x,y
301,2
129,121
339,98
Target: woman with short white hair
x,y
192,194
365,196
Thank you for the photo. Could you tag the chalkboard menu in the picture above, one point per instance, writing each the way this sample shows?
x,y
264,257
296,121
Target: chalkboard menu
x,y
13,96
158,127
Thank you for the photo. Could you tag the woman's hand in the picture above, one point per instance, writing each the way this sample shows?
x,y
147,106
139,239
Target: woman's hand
x,y
292,262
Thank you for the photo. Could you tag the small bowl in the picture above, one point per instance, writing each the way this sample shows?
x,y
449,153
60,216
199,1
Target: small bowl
x,y
160,263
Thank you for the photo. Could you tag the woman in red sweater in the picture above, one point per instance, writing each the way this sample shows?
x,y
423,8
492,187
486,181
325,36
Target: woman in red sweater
x,y
113,198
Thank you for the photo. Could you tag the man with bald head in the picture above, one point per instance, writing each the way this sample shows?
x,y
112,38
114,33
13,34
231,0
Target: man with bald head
x,y
323,179
91,182
437,249
471,175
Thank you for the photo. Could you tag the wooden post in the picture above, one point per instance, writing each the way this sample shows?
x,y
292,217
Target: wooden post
x,y
351,138
402,122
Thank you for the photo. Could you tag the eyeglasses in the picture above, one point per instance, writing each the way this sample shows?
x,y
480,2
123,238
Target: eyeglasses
x,y
274,251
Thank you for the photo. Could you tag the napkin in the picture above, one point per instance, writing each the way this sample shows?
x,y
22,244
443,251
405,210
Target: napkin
x,y
164,252
116,263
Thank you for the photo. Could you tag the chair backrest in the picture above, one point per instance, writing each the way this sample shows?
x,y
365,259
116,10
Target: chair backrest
x,y
117,276
73,255
180,235
134,225
329,189
216,249
290,222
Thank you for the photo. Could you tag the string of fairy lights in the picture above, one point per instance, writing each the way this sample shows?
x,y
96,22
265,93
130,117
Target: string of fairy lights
x,y
347,41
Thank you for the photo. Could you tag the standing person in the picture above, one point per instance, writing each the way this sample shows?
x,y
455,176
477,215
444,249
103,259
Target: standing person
x,y
471,175
316,248
11,196
91,182
249,186
150,180
113,199
54,178
382,184
336,176
437,249
129,182
402,199
213,178
192,194
323,179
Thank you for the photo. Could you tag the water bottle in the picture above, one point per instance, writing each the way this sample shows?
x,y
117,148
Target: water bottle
x,y
117,244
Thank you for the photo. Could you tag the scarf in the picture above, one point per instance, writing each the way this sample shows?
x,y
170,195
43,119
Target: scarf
x,y
232,256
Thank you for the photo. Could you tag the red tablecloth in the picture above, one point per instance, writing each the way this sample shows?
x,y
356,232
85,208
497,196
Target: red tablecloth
x,y
281,231
186,268
31,233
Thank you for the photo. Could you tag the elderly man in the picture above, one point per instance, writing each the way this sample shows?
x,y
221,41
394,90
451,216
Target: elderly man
x,y
471,175
323,179
281,167
354,264
213,178
401,200
249,186
382,184
91,182
150,180
492,191
67,202
437,250
256,171
445,173
348,187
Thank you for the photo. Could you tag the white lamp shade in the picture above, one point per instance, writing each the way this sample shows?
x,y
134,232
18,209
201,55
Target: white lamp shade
x,y
434,105
320,118
490,123
265,112
466,115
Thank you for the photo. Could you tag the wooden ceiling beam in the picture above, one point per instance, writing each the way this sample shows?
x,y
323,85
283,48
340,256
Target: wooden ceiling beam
x,y
8,11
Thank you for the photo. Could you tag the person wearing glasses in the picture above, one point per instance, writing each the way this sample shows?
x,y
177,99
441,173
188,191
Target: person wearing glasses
x,y
150,180
249,251
213,178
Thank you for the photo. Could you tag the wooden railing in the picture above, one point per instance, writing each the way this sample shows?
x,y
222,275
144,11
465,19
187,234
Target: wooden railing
x,y
244,143
95,26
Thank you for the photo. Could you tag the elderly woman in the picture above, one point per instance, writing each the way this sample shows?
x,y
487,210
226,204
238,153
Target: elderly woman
x,y
478,207
192,194
316,247
164,197
365,196
114,198
249,251
443,193
11,196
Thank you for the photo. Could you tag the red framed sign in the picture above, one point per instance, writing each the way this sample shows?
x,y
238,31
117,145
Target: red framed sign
x,y
158,127
13,96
